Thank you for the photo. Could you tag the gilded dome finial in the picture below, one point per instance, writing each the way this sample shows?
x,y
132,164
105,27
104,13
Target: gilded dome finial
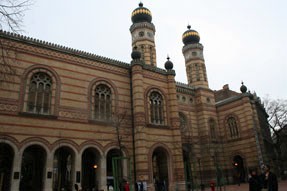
x,y
141,14
190,36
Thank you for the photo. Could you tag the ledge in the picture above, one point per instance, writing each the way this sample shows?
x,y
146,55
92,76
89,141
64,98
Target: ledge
x,y
35,115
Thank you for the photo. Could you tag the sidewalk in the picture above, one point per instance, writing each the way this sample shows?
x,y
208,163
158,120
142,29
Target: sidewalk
x,y
245,187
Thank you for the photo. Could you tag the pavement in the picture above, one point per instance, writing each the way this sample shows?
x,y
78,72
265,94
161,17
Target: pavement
x,y
245,187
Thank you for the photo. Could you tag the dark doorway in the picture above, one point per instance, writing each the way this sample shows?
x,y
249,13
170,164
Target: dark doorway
x,y
6,162
187,167
239,169
63,169
160,169
90,167
32,168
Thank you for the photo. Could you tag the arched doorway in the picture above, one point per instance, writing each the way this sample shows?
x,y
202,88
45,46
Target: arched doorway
x,y
6,162
186,151
63,169
239,169
160,169
114,169
90,169
32,168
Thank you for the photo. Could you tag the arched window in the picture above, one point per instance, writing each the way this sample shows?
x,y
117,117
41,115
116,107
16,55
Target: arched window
x,y
102,103
232,125
212,126
40,94
156,108
182,122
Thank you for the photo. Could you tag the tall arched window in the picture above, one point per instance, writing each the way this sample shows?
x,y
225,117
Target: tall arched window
x,y
232,125
156,108
212,127
103,103
182,122
40,94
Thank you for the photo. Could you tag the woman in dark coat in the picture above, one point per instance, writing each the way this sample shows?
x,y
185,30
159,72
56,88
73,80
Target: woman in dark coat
x,y
254,181
271,179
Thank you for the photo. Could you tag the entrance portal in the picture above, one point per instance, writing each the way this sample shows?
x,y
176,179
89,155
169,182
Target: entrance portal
x,y
32,169
160,169
90,164
239,170
6,161
63,169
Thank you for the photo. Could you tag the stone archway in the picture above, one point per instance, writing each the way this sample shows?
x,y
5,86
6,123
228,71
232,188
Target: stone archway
x,y
160,169
186,152
6,162
64,160
32,168
239,169
90,169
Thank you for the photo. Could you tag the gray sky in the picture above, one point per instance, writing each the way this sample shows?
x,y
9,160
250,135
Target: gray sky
x,y
244,40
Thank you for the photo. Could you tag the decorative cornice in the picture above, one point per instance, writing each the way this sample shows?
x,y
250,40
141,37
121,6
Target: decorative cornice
x,y
78,53
152,68
60,48
230,99
184,88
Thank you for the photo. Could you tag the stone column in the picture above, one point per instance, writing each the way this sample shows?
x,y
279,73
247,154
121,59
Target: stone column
x,y
103,174
16,170
176,175
48,177
77,170
139,120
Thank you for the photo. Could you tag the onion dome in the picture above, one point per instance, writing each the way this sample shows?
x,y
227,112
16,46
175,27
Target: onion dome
x,y
136,55
190,36
168,64
243,88
141,14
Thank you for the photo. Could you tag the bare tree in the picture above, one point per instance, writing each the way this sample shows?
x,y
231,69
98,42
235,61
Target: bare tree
x,y
277,111
11,19
118,119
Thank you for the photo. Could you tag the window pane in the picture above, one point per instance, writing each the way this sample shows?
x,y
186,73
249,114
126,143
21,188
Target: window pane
x,y
156,108
39,97
103,103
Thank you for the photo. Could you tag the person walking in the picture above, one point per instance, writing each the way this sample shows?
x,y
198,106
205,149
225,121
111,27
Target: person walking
x,y
271,182
254,181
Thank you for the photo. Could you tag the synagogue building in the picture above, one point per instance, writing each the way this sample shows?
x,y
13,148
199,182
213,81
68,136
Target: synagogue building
x,y
71,117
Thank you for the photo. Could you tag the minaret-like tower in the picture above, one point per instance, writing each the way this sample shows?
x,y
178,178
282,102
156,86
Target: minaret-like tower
x,y
194,60
143,31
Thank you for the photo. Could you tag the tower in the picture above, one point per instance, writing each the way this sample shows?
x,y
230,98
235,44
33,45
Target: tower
x,y
143,31
194,60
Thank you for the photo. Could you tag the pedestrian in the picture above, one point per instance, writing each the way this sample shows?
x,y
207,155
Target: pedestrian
x,y
270,179
76,187
141,186
136,186
126,186
254,181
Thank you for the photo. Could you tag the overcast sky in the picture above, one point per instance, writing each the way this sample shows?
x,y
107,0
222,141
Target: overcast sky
x,y
244,40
